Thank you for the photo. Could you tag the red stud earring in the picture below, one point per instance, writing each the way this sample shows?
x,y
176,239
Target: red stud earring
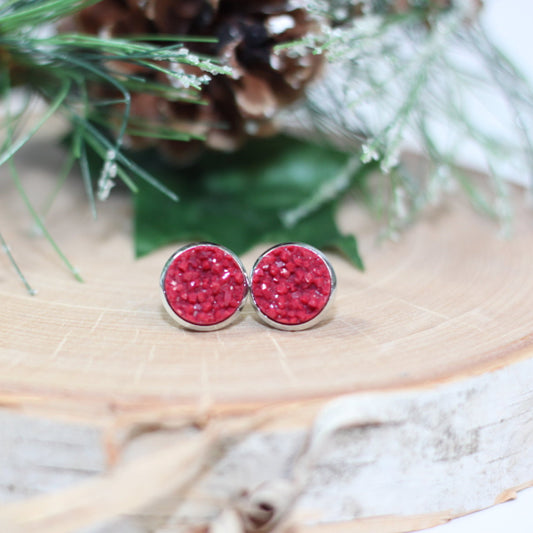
x,y
292,285
204,286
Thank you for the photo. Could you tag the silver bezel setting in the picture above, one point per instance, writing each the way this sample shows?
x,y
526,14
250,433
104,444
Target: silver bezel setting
x,y
185,323
315,320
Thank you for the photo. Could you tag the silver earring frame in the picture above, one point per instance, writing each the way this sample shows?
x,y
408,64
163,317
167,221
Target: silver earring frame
x,y
199,327
315,320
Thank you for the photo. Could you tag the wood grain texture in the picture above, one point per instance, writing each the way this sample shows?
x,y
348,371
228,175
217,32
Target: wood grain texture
x,y
422,373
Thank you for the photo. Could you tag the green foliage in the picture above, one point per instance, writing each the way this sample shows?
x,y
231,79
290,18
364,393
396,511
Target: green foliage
x,y
429,75
17,15
61,67
238,200
50,64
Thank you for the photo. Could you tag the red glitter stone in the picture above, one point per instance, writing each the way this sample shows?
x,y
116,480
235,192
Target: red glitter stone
x,y
291,284
204,285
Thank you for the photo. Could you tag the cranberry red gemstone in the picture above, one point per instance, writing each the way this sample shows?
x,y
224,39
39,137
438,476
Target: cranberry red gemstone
x,y
291,284
204,284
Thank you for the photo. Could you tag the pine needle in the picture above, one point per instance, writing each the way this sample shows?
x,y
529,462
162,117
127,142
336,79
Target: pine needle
x,y
7,250
8,154
62,178
71,61
514,88
86,174
99,142
39,222
13,147
412,76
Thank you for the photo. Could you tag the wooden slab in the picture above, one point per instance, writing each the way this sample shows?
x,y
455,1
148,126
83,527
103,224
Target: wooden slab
x,y
407,361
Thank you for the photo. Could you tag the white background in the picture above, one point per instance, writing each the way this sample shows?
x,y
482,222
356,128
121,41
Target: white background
x,y
510,23
511,517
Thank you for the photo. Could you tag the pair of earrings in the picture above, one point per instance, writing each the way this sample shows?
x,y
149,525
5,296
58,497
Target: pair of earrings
x,y
204,286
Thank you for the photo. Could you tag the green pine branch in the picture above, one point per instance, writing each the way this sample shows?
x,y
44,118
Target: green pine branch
x,y
60,68
404,68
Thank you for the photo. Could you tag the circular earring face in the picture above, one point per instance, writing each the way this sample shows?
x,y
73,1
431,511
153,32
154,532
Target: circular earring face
x,y
292,284
204,286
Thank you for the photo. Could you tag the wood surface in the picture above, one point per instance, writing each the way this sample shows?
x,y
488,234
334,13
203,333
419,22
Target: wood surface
x,y
409,406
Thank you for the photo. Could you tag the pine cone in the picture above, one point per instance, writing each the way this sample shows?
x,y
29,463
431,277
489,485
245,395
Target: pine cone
x,y
246,32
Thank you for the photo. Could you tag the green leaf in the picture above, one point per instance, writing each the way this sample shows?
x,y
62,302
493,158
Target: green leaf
x,y
237,199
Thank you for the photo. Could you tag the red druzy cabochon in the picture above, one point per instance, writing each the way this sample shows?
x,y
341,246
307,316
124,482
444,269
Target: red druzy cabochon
x,y
292,284
204,285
